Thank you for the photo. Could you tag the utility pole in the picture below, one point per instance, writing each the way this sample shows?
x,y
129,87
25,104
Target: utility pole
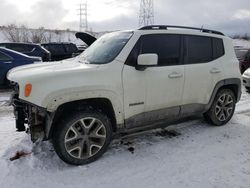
x,y
146,16
83,14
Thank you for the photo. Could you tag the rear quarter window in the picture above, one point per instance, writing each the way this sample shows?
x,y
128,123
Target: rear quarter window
x,y
218,48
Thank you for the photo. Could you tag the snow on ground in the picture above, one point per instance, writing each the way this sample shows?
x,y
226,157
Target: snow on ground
x,y
241,42
192,154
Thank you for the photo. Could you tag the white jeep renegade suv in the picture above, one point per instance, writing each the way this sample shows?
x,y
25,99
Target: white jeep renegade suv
x,y
124,82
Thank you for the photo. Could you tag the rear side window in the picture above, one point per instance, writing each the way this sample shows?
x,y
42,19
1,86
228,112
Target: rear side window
x,y
4,57
218,48
16,47
199,49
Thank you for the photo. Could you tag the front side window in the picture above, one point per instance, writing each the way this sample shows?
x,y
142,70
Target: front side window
x,y
106,48
166,46
199,49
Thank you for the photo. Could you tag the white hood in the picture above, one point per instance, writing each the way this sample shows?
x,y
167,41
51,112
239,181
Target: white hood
x,y
47,69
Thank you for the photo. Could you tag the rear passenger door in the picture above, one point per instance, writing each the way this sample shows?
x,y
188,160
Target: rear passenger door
x,y
202,71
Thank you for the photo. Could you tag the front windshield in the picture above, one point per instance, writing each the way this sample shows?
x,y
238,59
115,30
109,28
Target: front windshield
x,y
106,48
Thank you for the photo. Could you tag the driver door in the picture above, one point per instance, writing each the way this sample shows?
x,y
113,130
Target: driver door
x,y
155,93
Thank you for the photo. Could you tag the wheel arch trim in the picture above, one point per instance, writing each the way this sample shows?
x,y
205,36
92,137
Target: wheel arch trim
x,y
223,83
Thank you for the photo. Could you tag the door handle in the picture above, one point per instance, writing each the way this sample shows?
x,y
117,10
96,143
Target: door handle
x,y
175,75
214,71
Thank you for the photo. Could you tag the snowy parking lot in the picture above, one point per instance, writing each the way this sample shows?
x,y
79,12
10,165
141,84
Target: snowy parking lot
x,y
192,154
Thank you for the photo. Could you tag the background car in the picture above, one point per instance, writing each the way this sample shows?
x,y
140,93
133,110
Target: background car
x,y
243,55
28,49
60,51
87,38
246,79
10,59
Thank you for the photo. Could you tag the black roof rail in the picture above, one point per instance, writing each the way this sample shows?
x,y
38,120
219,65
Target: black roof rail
x,y
152,27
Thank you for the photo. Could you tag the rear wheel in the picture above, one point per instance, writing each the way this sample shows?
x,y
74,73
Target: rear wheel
x,y
222,108
248,89
242,69
82,138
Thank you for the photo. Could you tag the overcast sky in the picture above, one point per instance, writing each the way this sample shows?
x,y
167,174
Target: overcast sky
x,y
229,16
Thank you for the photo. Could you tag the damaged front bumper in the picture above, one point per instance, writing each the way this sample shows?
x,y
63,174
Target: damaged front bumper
x,y
30,118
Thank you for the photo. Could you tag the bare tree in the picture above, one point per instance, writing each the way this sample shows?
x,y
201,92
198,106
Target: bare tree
x,y
12,33
38,35
68,34
25,33
49,36
16,34
58,35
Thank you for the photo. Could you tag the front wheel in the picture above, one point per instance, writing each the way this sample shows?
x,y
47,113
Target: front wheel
x,y
222,108
82,138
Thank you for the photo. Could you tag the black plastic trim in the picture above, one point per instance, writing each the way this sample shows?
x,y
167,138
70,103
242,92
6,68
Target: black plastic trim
x,y
222,83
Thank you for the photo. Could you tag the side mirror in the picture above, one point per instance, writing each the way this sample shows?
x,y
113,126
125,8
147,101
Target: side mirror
x,y
145,60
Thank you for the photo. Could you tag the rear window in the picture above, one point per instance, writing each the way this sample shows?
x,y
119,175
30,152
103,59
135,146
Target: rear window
x,y
199,49
21,47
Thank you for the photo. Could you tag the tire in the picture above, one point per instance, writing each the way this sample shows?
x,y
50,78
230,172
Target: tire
x,y
248,89
7,84
242,69
82,138
222,108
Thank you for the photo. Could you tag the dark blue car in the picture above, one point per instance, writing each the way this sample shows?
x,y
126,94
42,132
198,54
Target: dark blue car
x,y
10,59
28,49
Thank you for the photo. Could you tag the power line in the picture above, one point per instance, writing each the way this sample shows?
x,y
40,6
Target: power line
x,y
83,15
146,16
